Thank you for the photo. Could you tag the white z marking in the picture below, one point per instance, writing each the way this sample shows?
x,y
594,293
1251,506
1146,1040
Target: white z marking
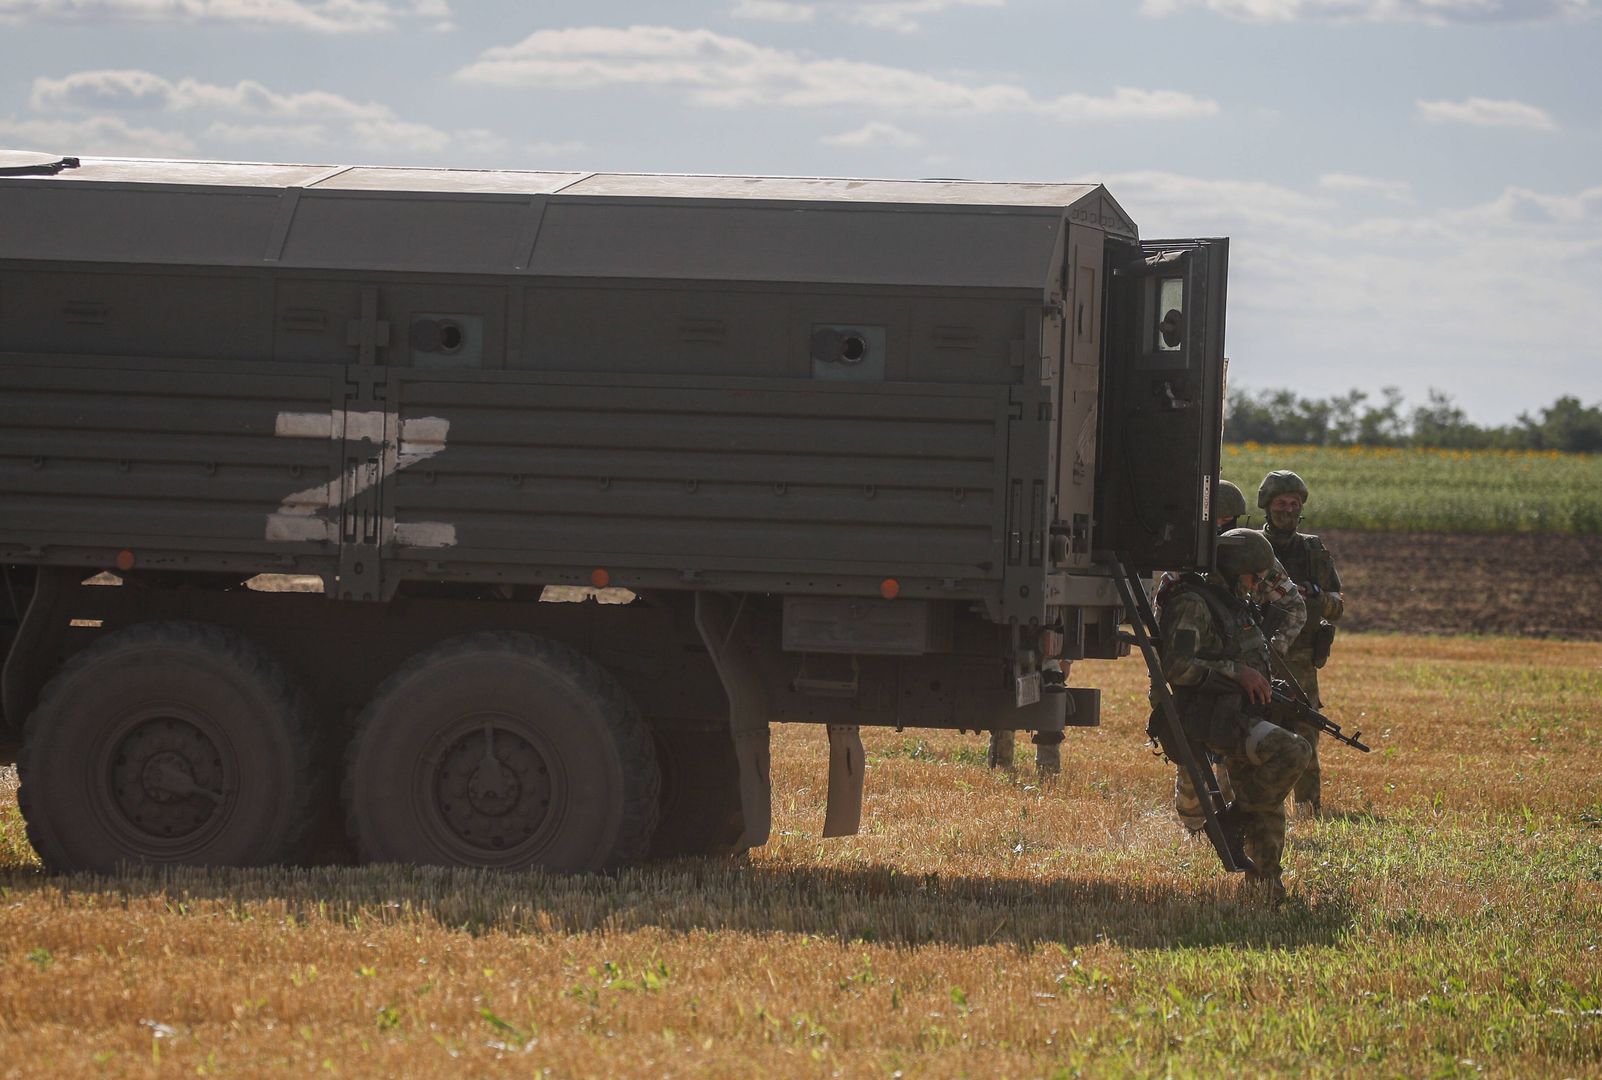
x,y
307,514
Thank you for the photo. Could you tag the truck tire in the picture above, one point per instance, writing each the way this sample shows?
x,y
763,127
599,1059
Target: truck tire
x,y
166,743
700,805
502,750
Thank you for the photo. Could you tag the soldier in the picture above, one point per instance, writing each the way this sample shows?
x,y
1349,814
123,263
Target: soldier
x,y
1284,613
1214,656
1229,506
1312,567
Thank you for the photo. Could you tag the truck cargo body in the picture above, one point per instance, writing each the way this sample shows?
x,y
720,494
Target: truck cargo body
x,y
862,451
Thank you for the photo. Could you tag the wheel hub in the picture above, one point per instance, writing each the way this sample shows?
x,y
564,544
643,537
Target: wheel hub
x,y
492,788
166,778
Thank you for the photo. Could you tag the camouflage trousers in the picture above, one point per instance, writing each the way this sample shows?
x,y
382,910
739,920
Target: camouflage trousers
x,y
1310,786
1187,804
1261,772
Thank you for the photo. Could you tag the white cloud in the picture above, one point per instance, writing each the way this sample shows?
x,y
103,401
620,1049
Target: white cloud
x,y
256,134
287,121
900,15
1433,12
1485,112
1395,190
717,70
320,16
94,136
400,137
1220,201
125,89
563,151
1326,295
774,11
875,133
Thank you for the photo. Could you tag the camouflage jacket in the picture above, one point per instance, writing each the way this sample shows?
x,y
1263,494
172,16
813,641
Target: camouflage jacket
x,y
1275,589
1221,624
1309,563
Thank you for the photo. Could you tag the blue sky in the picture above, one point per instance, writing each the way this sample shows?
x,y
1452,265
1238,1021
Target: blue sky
x,y
1413,187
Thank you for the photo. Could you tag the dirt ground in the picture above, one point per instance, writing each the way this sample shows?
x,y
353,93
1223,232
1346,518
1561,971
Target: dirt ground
x,y
1457,583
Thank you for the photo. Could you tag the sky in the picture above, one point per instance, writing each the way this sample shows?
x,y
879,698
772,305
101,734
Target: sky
x,y
1412,188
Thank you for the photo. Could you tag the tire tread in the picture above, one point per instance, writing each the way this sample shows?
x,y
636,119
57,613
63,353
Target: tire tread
x,y
282,694
636,750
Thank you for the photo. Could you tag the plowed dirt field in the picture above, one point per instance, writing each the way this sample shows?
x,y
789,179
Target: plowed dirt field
x,y
1531,584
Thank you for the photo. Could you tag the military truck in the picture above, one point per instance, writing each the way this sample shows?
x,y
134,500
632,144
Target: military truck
x,y
861,452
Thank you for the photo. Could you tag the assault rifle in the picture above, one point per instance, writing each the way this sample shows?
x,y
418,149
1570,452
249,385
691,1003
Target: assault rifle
x,y
1289,702
1286,706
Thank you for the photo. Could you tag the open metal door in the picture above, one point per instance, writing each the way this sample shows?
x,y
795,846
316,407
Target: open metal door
x,y
1162,402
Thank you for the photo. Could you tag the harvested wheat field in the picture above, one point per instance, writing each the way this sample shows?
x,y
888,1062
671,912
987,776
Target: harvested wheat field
x,y
1445,920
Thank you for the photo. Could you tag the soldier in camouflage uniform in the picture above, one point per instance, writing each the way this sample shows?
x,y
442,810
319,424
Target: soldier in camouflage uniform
x,y
1214,657
1312,567
1276,595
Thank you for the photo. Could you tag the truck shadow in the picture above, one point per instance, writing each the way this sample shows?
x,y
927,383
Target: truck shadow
x,y
873,903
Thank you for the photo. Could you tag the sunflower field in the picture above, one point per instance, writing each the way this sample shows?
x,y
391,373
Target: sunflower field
x,y
1388,488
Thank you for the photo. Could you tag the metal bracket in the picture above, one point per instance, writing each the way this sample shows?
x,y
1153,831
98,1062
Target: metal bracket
x,y
843,816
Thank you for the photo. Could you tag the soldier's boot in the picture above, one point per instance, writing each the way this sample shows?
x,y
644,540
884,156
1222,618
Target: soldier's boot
x,y
1233,820
1048,752
1003,746
1264,841
1263,887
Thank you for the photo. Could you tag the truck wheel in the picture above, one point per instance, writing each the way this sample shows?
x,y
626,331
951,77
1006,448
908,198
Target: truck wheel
x,y
167,743
701,812
502,750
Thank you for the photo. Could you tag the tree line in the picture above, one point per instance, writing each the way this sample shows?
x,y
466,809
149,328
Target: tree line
x,y
1353,419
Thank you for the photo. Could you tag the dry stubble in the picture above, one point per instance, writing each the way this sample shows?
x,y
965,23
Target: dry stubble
x,y
1445,920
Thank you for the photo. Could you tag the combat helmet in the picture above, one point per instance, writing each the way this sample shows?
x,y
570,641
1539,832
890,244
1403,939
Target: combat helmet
x,y
1244,551
1228,502
1280,482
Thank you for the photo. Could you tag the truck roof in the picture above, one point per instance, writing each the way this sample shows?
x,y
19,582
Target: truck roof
x,y
561,223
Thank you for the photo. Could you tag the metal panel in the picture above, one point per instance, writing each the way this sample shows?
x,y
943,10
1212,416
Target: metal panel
x,y
661,474
167,313
505,182
166,456
202,225
532,182
840,245
753,229
209,173
824,189
399,232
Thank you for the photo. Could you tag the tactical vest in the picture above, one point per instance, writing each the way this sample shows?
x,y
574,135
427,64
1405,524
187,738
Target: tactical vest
x,y
1212,719
1301,555
1243,639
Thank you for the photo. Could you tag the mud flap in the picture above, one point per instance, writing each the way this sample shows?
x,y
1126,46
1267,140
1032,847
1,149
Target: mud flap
x,y
38,635
717,619
844,814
